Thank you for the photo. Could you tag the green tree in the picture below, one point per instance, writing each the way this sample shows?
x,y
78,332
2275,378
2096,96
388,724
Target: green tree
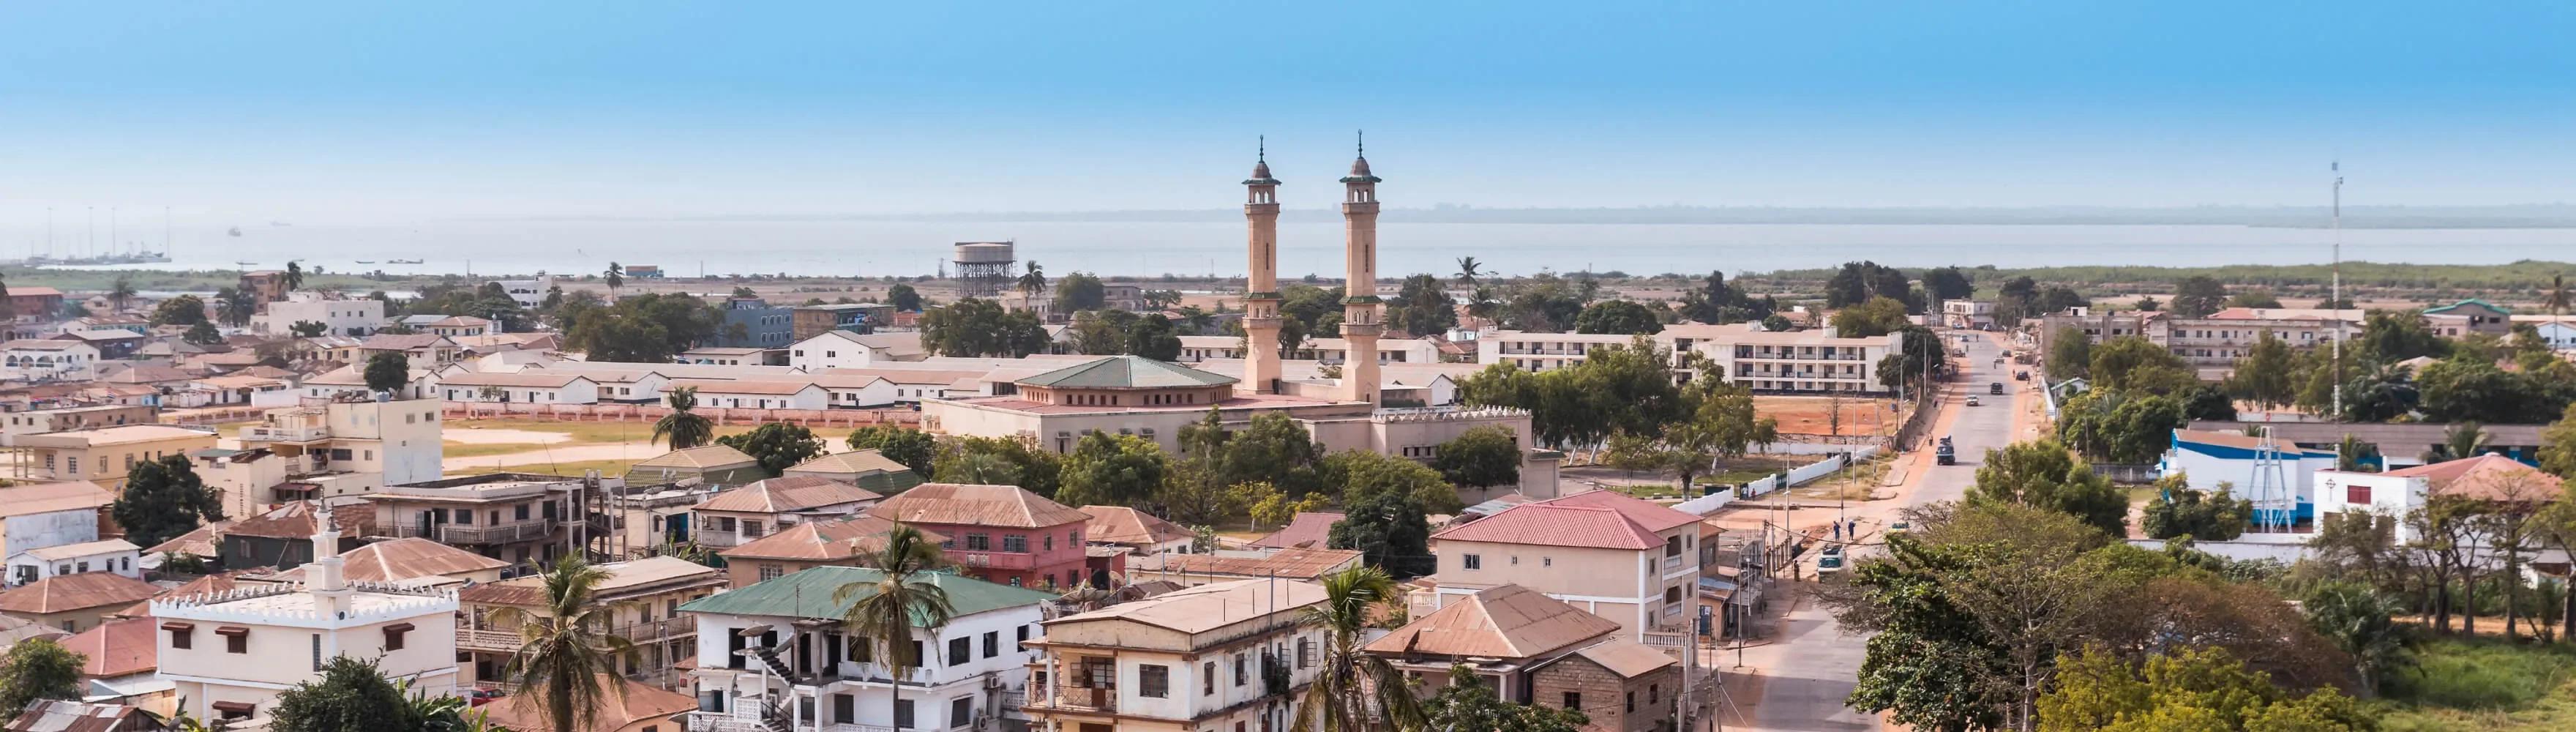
x,y
2017,299
903,298
1615,388
1858,282
203,334
307,328
614,276
1363,473
2475,389
650,327
2070,354
122,290
163,498
2177,511
388,371
294,276
235,307
38,668
2255,298
2361,622
777,445
2558,445
2460,441
1078,292
684,427
974,327
565,666
2133,363
2044,474
1877,317
1468,703
1389,530
1154,337
1354,689
1422,306
1270,448
2058,299
180,310
1948,283
1622,317
351,695
987,460
2197,297
905,595
914,448
2393,336
2264,375
2119,427
2189,689
1483,457
1113,470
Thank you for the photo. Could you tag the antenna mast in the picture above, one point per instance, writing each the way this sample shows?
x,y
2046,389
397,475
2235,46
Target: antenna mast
x,y
2335,296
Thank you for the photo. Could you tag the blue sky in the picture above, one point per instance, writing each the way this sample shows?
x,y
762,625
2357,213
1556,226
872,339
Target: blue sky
x,y
367,111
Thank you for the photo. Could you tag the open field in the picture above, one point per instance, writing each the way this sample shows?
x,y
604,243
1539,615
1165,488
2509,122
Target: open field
x,y
1801,415
606,468
2487,685
572,433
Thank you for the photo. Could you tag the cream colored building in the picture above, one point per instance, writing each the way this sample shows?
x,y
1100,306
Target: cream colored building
x,y
231,653
1218,656
40,421
643,597
1622,558
354,440
103,455
1769,361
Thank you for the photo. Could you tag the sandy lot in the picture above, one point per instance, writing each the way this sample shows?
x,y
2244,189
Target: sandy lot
x,y
1811,415
503,437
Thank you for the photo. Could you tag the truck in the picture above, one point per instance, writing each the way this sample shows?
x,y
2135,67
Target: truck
x,y
1945,454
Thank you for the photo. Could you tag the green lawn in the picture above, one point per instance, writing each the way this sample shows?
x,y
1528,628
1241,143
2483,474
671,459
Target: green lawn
x,y
606,468
2486,685
479,449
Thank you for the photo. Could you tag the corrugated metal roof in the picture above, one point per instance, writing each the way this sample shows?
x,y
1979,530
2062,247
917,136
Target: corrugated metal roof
x,y
1210,606
22,500
1309,528
808,594
1126,372
1554,525
1295,563
117,648
1124,525
65,593
1509,621
823,540
963,504
854,461
785,494
702,457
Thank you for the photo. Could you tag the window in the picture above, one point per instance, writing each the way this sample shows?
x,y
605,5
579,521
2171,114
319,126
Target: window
x,y
1207,678
1547,561
1632,701
960,650
1239,674
1673,546
961,710
903,714
2356,494
1023,632
770,572
1672,594
1153,681
750,528
1473,561
464,517
394,635
1573,700
236,639
1305,651
1015,543
1654,693
1050,542
182,635
317,651
520,512
992,644
979,542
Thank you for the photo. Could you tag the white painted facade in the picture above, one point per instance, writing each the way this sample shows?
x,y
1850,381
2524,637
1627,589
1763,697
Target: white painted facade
x,y
116,556
734,685
340,317
48,359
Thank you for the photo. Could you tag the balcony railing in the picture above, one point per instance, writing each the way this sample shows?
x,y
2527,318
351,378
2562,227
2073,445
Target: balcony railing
x,y
993,559
1103,699
477,533
470,638
285,434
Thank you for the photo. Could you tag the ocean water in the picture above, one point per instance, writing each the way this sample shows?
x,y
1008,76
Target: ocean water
x,y
873,248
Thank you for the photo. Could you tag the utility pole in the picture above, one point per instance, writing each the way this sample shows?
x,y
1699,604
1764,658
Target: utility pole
x,y
2335,295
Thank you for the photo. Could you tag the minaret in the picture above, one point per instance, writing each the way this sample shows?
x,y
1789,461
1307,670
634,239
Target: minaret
x,y
1261,286
324,578
1360,325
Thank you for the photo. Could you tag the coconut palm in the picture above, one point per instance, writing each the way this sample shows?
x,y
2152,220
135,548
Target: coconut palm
x,y
2463,440
2559,300
1469,270
1034,281
684,427
234,307
904,596
294,276
122,291
2358,620
563,664
616,275
1354,687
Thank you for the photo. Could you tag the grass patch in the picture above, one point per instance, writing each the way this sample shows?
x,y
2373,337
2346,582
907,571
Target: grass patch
x,y
606,468
593,433
480,449
2484,684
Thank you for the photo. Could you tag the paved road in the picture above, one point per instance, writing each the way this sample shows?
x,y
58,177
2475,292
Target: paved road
x,y
1810,665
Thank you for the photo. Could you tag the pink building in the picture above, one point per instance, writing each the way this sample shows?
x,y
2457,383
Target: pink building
x,y
997,533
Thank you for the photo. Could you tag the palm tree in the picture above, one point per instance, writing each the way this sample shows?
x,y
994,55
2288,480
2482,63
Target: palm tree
x,y
1481,302
2358,620
234,307
616,275
2558,300
294,275
904,596
1469,270
1034,281
1354,687
122,291
2463,440
562,661
685,428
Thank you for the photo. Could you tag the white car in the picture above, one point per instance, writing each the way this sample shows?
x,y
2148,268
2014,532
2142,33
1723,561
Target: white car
x,y
1972,400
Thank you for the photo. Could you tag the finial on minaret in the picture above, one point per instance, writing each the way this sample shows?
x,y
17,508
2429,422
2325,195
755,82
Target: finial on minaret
x,y
1363,143
1261,151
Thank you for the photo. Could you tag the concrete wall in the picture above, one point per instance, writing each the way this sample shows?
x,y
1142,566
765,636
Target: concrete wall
x,y
40,530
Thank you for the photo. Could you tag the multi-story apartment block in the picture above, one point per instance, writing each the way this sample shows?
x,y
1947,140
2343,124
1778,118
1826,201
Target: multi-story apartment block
x,y
339,316
50,514
780,644
64,419
856,317
1223,656
231,652
1626,559
349,445
104,455
1327,350
751,322
743,515
997,533
2216,341
1769,361
522,519
643,598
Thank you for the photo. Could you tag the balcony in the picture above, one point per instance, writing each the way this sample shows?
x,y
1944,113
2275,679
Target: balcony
x,y
479,534
258,433
1079,699
469,638
729,722
1017,561
714,539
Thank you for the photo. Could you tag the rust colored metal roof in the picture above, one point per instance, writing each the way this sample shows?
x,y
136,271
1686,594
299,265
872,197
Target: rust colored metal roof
x,y
81,495
782,495
1628,659
295,521
1299,563
822,540
2488,477
65,593
1123,525
963,504
117,648
1309,528
1509,621
408,558
639,703
1655,517
1546,524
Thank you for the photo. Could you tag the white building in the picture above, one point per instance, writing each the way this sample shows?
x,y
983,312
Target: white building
x,y
1768,361
529,293
779,642
230,653
48,359
527,387
36,516
106,555
1968,314
1219,656
844,349
2393,494
1327,350
756,394
362,441
338,316
2560,335
2209,459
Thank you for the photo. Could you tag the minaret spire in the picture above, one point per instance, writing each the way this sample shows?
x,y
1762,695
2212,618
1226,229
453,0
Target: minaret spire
x,y
1360,324
1261,278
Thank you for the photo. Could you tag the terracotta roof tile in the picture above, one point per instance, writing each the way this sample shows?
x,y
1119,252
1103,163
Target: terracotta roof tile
x,y
966,504
2491,477
1123,525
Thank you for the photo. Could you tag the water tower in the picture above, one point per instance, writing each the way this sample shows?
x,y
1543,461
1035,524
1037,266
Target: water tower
x,y
984,267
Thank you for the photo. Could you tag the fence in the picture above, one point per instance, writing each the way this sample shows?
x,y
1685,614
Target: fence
x,y
1798,476
2126,472
654,412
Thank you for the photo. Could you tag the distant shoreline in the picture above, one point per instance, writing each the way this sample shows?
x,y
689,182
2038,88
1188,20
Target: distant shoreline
x,y
2536,216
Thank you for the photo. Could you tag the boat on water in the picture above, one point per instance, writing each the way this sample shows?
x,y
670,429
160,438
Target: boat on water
x,y
404,261
366,261
247,264
236,231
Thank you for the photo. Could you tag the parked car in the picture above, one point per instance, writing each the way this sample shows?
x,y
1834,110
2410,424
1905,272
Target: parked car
x,y
1972,400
